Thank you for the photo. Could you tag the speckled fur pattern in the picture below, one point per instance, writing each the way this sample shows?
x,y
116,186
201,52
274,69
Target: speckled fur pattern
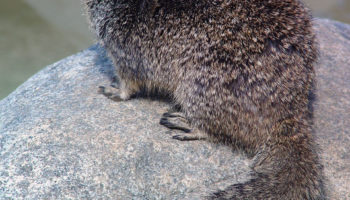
x,y
241,70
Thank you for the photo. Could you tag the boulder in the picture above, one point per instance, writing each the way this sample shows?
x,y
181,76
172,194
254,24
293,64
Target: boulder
x,y
60,139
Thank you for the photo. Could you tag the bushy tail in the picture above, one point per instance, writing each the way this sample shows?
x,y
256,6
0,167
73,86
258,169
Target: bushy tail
x,y
284,170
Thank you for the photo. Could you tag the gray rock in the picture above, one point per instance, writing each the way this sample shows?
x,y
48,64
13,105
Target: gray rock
x,y
60,139
332,108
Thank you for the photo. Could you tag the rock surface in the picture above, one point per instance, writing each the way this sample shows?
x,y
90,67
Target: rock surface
x,y
332,108
60,139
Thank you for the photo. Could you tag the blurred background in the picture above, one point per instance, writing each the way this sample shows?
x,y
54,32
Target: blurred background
x,y
36,33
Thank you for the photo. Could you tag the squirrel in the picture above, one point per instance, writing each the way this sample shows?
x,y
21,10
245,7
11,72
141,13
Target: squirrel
x,y
241,71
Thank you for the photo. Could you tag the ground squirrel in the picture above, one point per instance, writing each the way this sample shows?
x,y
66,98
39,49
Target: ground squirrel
x,y
240,70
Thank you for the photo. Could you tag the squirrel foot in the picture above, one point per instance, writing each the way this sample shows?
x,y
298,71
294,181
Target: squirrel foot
x,y
177,121
111,92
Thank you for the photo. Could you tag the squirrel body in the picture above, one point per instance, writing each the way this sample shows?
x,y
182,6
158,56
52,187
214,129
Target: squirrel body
x,y
241,71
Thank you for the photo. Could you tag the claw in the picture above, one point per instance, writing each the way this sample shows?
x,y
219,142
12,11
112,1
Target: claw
x,y
187,138
177,121
165,122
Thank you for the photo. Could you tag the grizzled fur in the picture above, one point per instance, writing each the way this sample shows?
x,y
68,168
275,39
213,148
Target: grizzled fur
x,y
241,70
